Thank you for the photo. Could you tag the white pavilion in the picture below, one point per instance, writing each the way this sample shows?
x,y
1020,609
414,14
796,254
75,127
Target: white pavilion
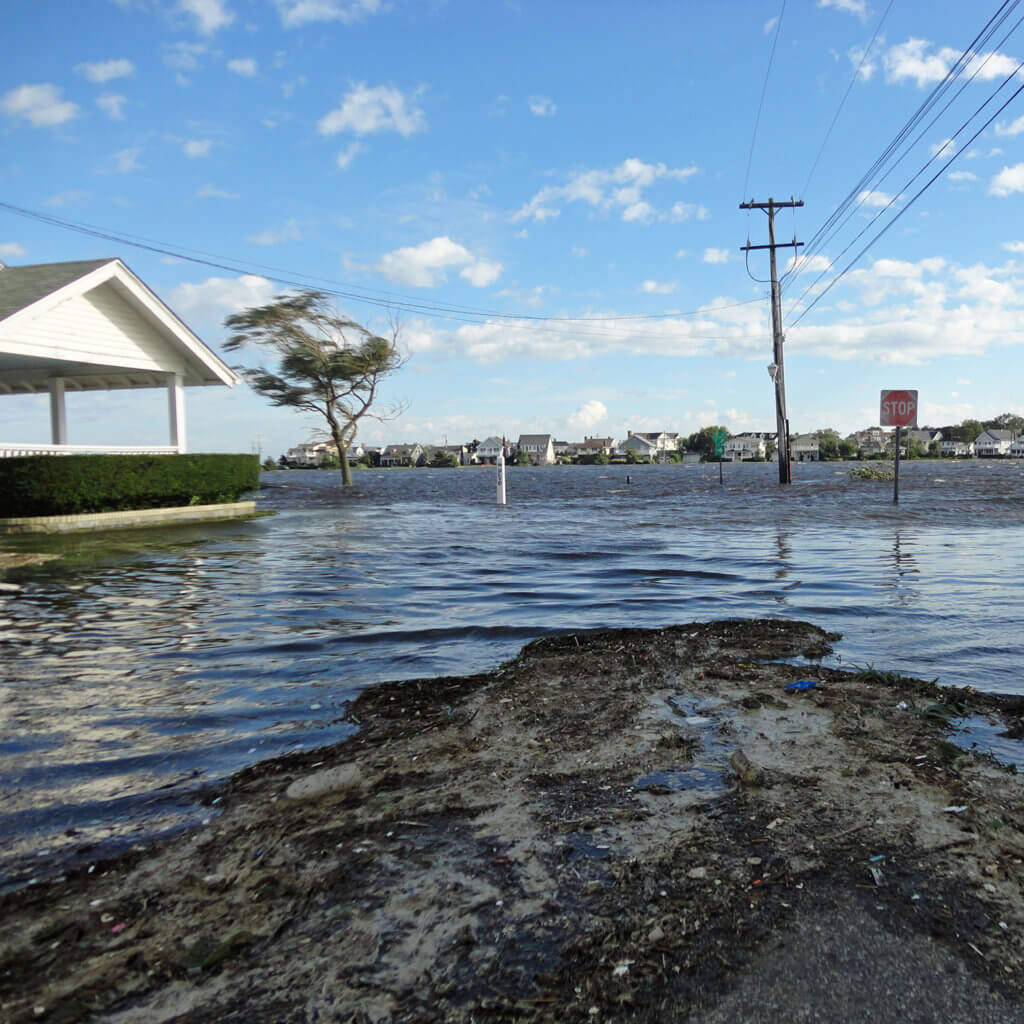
x,y
92,325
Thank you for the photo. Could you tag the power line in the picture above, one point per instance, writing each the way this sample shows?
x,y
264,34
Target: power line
x,y
581,326
842,102
918,195
838,218
760,105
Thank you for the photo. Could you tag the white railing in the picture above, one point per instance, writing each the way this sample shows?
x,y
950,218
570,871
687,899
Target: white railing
x,y
8,450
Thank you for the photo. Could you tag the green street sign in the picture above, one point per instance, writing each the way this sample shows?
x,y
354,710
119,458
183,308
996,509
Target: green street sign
x,y
719,438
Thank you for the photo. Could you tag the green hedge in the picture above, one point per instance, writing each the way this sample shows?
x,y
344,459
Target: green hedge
x,y
56,485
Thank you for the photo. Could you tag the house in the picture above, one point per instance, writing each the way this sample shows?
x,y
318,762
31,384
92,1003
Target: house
x,y
993,443
597,445
873,441
640,446
663,440
489,450
956,449
745,448
401,455
1017,448
315,453
539,447
92,325
804,448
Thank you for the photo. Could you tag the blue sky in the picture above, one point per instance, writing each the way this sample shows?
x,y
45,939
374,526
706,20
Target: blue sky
x,y
544,195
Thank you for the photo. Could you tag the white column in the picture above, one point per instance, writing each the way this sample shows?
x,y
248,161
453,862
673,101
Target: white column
x,y
58,412
176,410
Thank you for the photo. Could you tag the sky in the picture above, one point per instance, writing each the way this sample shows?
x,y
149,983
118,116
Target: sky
x,y
545,197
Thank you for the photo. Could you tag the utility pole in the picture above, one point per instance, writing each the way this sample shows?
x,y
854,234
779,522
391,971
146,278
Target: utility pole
x,y
776,370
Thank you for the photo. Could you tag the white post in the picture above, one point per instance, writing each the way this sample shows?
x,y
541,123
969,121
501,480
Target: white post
x,y
501,474
176,410
58,412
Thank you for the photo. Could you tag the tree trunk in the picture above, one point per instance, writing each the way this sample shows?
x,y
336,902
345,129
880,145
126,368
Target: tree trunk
x,y
341,442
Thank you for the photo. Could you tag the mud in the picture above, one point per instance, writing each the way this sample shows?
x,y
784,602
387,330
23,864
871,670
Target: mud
x,y
622,825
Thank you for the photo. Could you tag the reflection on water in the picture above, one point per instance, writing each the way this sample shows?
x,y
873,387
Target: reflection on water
x,y
146,663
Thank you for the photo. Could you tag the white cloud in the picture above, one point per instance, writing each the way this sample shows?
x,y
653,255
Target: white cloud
x,y
196,148
426,265
103,71
366,110
1008,181
910,60
857,7
41,104
1011,129
686,211
301,12
245,66
11,251
210,15
111,103
1014,246
580,252
716,255
659,287
211,192
962,176
211,300
287,232
640,211
541,106
770,25
863,66
124,161
620,187
874,198
184,56
63,198
947,147
349,153
588,415
481,273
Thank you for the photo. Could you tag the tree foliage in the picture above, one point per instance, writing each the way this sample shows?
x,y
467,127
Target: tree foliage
x,y
327,363
703,442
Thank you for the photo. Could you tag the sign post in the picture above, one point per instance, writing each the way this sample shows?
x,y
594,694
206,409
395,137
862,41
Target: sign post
x,y
898,409
718,436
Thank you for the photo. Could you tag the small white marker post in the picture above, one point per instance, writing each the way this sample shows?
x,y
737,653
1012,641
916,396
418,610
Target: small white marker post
x,y
501,473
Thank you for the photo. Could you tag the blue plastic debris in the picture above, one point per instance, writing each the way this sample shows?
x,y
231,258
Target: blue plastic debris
x,y
803,684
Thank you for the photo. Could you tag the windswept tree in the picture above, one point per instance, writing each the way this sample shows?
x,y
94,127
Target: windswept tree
x,y
328,364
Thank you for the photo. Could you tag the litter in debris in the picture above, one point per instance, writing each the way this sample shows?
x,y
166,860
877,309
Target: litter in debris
x,y
803,684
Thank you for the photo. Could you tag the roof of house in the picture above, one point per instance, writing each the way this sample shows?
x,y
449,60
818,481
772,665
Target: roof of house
x,y
97,326
541,439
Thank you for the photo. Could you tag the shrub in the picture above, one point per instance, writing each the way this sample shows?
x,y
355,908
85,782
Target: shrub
x,y
49,485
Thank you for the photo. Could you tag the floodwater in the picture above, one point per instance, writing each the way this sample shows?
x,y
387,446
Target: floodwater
x,y
145,664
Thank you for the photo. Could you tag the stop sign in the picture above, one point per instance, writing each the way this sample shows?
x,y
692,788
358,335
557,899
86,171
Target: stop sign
x,y
899,409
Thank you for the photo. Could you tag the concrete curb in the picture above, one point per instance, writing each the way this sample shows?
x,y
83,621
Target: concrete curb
x,y
128,519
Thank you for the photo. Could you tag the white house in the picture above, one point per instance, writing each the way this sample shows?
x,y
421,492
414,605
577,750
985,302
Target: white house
x,y
745,447
489,450
1017,448
663,440
314,453
92,325
956,449
804,448
993,443
539,447
640,446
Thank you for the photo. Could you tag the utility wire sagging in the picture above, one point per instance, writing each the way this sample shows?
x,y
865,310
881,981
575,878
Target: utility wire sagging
x,y
972,62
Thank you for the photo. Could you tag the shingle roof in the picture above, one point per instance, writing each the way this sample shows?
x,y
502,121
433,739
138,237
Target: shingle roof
x,y
21,286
